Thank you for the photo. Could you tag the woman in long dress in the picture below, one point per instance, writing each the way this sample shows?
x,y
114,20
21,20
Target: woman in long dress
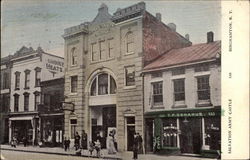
x,y
110,144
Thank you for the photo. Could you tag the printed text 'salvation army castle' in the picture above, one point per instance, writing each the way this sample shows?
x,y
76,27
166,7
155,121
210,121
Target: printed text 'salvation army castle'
x,y
127,71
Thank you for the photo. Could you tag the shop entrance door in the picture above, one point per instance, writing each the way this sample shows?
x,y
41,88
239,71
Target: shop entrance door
x,y
190,138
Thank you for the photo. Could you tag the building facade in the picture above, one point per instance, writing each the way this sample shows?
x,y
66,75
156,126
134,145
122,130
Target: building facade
x,y
29,68
51,113
4,98
182,102
103,65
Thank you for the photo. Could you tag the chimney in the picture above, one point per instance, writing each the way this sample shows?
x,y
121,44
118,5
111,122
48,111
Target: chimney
x,y
158,16
172,26
103,8
210,37
187,36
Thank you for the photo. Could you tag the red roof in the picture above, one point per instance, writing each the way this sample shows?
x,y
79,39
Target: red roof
x,y
194,53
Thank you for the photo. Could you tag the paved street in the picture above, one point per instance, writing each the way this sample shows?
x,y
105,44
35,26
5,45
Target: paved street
x,y
17,155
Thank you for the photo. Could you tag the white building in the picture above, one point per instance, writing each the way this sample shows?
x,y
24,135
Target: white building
x,y
29,68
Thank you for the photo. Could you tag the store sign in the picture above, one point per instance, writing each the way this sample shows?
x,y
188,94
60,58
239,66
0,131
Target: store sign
x,y
196,114
54,65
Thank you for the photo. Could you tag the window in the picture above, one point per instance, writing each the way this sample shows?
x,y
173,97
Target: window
x,y
5,103
110,48
17,80
129,42
212,132
73,84
130,76
178,71
104,83
26,101
102,50
201,68
47,100
73,123
170,132
38,77
179,90
73,56
157,93
16,103
203,88
27,79
5,81
37,100
94,52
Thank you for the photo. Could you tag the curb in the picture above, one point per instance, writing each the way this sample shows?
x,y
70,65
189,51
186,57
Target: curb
x,y
62,154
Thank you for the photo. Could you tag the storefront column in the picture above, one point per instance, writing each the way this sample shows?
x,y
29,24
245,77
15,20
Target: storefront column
x,y
10,130
203,132
178,135
34,131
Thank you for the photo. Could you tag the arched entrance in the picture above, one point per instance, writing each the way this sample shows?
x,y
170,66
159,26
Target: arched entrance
x,y
102,105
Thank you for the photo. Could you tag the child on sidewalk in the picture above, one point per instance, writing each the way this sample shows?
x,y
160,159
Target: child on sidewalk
x,y
98,147
91,147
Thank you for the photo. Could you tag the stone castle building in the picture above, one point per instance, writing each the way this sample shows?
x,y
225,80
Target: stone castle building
x,y
104,60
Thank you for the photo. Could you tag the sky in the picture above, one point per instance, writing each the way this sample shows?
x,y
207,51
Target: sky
x,y
34,23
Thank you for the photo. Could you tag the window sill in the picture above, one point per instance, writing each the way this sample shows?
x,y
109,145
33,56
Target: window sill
x,y
17,89
37,86
129,53
179,106
203,104
157,106
72,94
26,88
129,87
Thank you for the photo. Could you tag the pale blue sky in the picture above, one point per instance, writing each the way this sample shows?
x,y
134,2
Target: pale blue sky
x,y
33,23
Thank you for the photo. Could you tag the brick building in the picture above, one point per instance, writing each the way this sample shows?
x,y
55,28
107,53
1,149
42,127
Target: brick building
x,y
182,102
4,98
103,65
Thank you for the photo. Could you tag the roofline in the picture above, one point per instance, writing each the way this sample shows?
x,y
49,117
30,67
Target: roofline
x,y
53,55
178,65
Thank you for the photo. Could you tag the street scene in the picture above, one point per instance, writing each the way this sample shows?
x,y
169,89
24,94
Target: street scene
x,y
113,80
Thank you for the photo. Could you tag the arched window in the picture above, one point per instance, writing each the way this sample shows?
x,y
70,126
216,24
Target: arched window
x,y
130,42
73,56
103,84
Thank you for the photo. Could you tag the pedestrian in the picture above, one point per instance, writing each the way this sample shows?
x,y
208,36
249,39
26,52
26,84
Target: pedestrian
x,y
24,141
84,140
91,147
135,147
66,144
77,141
14,142
140,148
98,147
110,144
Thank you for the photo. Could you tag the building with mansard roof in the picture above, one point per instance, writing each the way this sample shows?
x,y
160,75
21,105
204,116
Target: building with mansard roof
x,y
104,60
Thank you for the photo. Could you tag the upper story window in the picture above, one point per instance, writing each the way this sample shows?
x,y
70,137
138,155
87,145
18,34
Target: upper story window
x,y
130,75
26,101
179,90
27,79
16,102
73,56
5,81
203,88
103,84
102,49
17,80
94,52
157,93
110,48
37,77
178,71
201,68
5,103
73,84
37,99
130,42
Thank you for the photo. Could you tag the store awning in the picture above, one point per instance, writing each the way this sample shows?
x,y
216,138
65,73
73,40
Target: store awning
x,y
196,112
21,118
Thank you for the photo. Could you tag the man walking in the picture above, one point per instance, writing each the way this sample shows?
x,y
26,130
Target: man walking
x,y
77,141
135,146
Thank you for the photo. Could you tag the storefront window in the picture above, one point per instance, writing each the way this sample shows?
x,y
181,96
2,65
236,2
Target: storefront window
x,y
212,132
169,131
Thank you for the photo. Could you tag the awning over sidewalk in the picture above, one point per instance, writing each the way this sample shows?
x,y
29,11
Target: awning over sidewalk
x,y
21,118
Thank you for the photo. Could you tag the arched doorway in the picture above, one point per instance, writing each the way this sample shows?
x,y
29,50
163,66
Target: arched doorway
x,y
102,105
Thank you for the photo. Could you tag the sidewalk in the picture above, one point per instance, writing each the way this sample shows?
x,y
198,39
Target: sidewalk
x,y
104,153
